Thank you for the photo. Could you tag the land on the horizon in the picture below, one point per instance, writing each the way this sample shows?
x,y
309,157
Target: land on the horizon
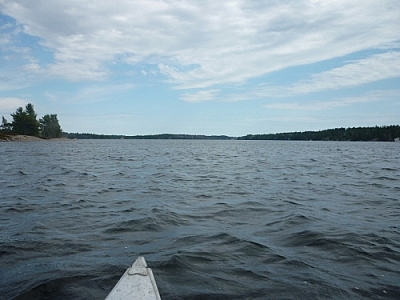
x,y
381,134
7,137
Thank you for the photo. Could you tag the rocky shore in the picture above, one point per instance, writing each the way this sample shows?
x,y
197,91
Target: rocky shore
x,y
27,138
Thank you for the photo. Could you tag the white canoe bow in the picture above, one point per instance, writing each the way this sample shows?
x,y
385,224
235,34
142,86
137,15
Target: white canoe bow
x,y
137,283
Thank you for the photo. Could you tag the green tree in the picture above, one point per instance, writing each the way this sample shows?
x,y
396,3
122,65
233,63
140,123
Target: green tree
x,y
24,122
49,127
5,126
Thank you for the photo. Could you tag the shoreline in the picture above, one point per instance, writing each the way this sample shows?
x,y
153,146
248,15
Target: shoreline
x,y
27,138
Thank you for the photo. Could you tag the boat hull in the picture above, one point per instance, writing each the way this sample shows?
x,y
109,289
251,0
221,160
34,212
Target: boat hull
x,y
137,283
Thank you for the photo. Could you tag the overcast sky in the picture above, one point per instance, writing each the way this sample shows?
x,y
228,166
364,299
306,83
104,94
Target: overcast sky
x,y
202,67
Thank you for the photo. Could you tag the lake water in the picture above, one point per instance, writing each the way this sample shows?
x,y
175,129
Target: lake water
x,y
214,219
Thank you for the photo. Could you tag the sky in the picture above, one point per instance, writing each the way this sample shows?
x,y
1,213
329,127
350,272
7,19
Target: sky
x,y
234,67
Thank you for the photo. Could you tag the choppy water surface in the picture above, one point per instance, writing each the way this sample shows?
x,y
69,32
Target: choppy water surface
x,y
214,219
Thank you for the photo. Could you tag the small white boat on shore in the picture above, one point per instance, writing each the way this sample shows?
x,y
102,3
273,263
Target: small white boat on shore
x,y
137,283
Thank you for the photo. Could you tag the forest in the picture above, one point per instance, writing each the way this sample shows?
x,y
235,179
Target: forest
x,y
25,122
163,136
383,133
377,133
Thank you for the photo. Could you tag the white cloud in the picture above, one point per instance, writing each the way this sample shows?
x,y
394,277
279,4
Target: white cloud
x,y
100,92
9,105
33,67
375,96
353,73
78,70
200,96
8,83
227,41
374,68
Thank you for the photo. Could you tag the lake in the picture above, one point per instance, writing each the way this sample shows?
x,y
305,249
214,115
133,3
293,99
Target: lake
x,y
214,219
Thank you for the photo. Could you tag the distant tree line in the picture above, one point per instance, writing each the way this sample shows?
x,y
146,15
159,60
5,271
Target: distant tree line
x,y
25,122
168,136
383,133
91,136
164,136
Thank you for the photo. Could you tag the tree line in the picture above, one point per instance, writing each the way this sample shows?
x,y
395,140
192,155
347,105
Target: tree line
x,y
163,136
25,122
377,133
383,133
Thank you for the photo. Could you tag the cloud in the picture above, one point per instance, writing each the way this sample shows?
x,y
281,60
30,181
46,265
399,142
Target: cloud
x,y
374,68
33,68
375,96
200,96
77,70
100,92
352,73
227,41
11,104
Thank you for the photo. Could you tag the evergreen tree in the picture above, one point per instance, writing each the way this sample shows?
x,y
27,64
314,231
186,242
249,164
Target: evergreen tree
x,y
5,126
49,127
24,122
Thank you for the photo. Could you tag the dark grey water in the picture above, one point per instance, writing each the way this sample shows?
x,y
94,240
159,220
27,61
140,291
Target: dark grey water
x,y
214,219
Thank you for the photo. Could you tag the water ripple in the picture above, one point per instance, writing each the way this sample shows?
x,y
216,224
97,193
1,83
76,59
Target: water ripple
x,y
214,219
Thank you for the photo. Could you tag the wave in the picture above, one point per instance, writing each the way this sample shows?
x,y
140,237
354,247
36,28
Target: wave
x,y
215,220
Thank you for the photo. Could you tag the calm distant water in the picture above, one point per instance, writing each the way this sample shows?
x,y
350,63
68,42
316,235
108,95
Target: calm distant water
x,y
214,219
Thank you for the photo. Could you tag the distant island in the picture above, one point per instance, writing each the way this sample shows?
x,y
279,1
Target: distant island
x,y
381,134
26,126
163,136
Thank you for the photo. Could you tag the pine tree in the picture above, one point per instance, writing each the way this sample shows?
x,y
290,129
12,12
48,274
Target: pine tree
x,y
24,122
5,126
49,127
